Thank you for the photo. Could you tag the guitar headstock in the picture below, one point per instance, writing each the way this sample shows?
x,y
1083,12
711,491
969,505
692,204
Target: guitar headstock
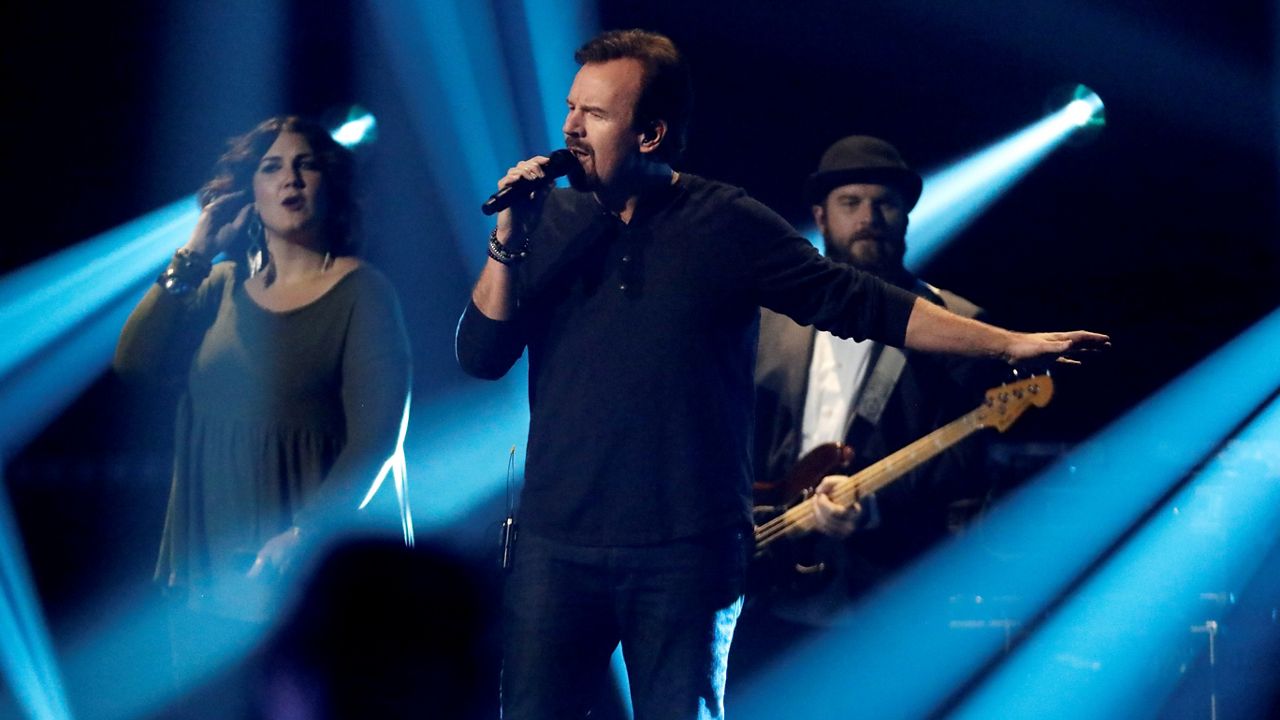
x,y
1006,403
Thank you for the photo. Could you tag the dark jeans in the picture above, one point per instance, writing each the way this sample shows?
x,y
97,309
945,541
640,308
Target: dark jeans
x,y
672,606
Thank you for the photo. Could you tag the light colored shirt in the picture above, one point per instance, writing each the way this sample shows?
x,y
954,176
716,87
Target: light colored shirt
x,y
836,375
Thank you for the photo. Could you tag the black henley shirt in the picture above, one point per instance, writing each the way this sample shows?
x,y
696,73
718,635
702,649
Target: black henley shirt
x,y
642,340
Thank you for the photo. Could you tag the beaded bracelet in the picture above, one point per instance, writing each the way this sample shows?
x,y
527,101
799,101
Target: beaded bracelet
x,y
503,255
186,271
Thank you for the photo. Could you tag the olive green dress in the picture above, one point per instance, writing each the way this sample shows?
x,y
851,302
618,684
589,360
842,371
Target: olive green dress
x,y
284,418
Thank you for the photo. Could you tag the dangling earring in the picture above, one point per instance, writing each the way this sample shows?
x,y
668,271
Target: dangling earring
x,y
328,262
258,257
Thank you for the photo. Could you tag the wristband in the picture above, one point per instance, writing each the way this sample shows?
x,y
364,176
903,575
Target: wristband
x,y
186,271
502,254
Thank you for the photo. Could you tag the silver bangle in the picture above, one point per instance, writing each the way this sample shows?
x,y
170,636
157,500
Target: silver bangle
x,y
185,272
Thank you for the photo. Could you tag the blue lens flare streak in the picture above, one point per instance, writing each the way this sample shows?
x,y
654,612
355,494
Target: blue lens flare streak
x,y
1115,648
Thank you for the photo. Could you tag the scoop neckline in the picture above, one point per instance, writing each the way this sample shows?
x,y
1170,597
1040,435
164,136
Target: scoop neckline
x,y
291,311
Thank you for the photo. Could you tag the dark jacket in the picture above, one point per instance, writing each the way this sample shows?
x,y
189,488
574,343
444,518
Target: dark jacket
x,y
930,391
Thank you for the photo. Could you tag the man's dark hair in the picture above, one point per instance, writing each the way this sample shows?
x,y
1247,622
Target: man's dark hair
x,y
666,92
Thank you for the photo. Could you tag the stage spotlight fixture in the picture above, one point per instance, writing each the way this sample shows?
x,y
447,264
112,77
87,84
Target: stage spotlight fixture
x,y
955,195
1078,112
1079,106
359,128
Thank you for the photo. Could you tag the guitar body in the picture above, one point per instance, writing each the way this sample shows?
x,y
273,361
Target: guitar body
x,y
824,460
797,565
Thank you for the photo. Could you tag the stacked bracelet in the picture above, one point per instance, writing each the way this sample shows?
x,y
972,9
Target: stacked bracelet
x,y
186,271
502,254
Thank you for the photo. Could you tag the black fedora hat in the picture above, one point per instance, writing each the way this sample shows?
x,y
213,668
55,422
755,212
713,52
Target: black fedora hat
x,y
862,159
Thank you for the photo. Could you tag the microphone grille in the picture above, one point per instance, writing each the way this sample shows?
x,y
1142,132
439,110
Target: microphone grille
x,y
562,162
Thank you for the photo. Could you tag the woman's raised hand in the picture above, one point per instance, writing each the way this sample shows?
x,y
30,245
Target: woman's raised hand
x,y
220,223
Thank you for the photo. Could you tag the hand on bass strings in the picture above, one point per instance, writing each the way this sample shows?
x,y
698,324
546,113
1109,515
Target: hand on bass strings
x,y
830,517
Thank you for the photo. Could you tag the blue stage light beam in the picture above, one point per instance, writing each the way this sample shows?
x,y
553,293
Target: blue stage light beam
x,y
897,655
448,62
26,656
114,670
451,68
32,396
452,71
46,300
556,29
466,434
64,314
618,668
1114,650
957,194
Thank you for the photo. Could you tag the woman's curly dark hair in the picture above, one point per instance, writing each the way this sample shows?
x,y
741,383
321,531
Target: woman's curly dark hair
x,y
234,173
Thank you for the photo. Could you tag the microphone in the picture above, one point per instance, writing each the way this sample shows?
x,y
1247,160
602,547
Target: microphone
x,y
562,162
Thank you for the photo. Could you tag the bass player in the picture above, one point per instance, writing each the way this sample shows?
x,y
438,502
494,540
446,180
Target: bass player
x,y
814,388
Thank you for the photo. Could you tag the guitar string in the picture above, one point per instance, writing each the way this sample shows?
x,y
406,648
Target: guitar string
x,y
875,476
871,479
864,483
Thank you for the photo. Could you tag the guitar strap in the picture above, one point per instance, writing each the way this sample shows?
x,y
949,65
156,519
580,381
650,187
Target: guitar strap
x,y
819,604
875,392
889,362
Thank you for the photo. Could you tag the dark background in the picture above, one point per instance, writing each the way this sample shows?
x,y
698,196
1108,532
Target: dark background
x,y
1162,231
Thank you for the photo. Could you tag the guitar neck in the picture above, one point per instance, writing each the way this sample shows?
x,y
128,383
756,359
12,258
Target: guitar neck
x,y
895,465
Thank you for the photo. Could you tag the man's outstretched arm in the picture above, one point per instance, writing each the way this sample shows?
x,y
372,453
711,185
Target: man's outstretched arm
x,y
934,329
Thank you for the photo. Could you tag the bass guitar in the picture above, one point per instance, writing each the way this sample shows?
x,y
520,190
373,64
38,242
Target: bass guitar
x,y
1001,407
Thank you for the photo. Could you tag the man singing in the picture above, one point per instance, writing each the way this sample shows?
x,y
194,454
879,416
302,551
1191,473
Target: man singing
x,y
637,294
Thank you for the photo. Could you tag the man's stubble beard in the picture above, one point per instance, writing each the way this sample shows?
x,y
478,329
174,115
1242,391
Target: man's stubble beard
x,y
882,258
